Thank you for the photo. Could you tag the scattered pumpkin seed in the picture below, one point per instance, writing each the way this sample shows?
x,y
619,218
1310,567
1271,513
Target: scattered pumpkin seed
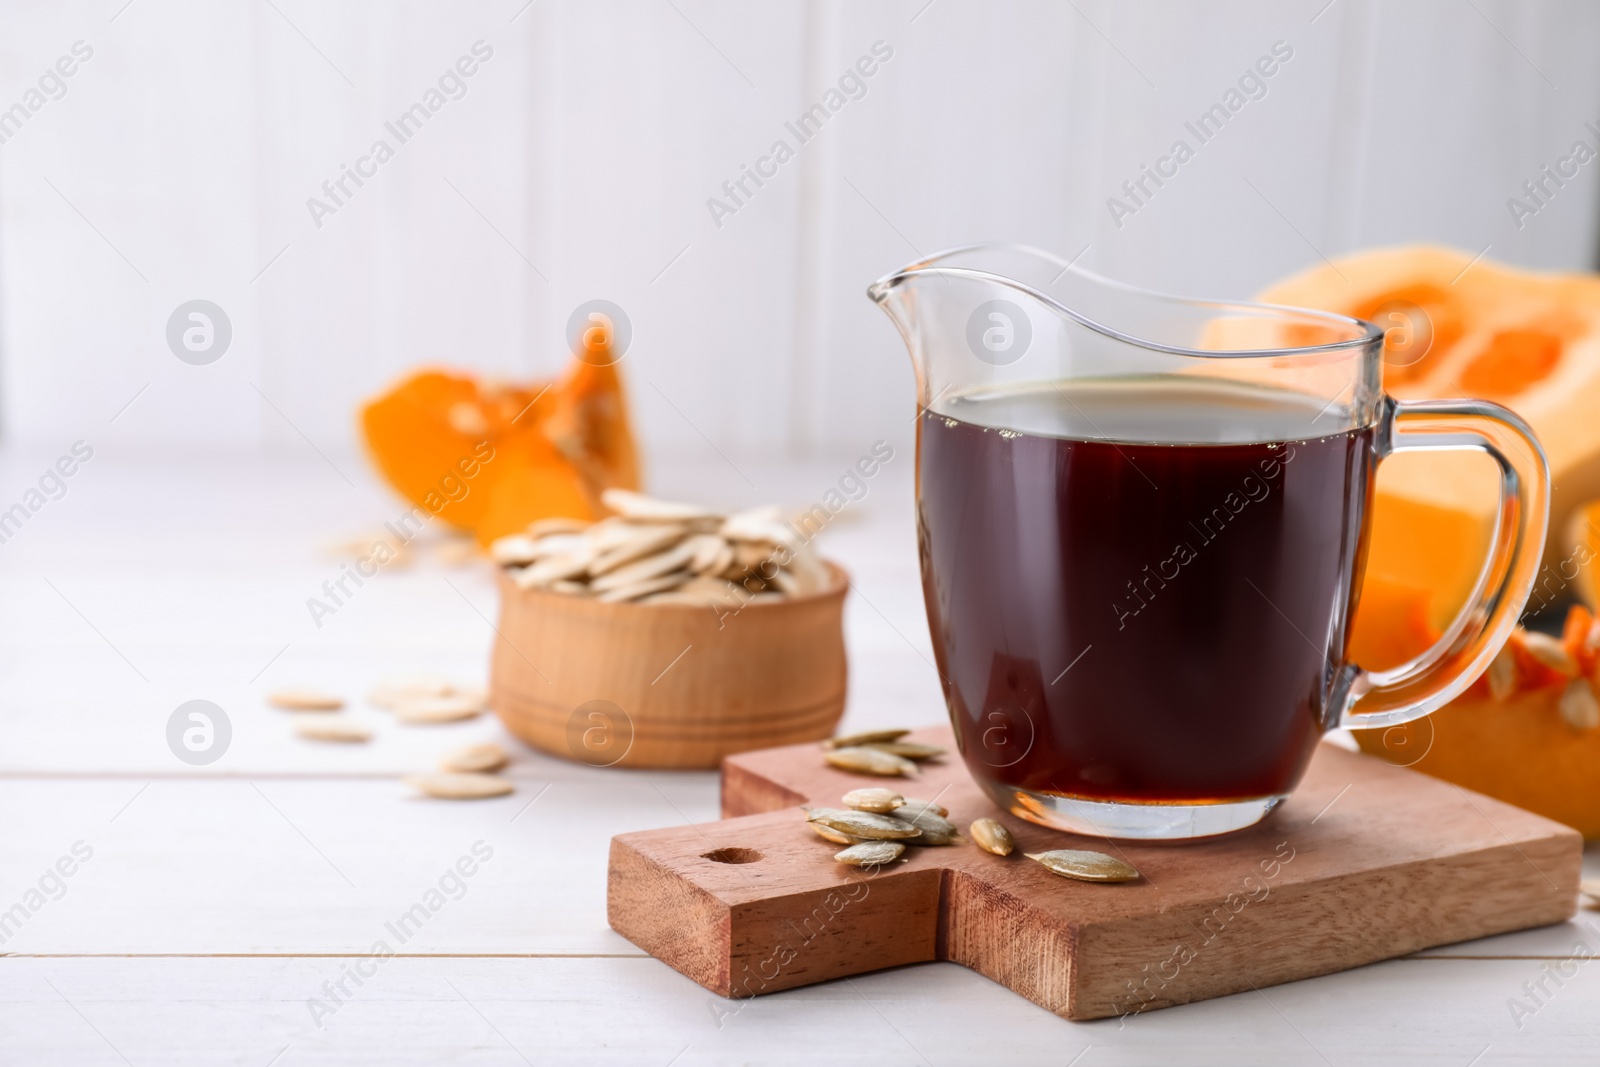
x,y
914,750
304,700
331,728
460,786
408,687
481,758
936,829
870,737
992,836
1086,866
1578,706
828,833
881,801
925,805
871,761
871,853
432,710
863,824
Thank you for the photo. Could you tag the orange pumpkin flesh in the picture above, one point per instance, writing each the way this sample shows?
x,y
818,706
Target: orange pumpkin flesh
x,y
1391,624
1408,338
1520,750
493,457
1458,328
1579,565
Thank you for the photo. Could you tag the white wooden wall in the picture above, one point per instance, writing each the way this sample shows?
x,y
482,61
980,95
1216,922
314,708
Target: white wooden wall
x,y
580,161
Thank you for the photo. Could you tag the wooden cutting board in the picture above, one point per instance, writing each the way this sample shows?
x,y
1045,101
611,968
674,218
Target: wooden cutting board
x,y
1365,862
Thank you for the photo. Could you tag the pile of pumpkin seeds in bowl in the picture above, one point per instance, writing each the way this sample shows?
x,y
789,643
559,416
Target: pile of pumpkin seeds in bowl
x,y
660,552
877,823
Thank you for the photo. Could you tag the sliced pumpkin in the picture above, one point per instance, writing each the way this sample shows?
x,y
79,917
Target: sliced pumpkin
x,y
491,457
1391,624
1534,748
1461,326
1580,565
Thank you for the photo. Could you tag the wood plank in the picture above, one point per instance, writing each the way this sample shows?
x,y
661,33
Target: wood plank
x,y
205,866
93,1012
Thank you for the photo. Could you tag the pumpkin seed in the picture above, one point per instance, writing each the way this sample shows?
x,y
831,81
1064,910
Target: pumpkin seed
x,y
556,525
548,570
1590,887
863,824
304,700
785,582
828,833
607,534
478,693
871,737
913,750
1578,706
644,588
870,761
560,545
1502,675
641,508
671,596
764,523
1086,866
707,547
880,801
427,711
1550,652
713,556
811,572
925,805
331,728
460,786
406,686
647,543
653,566
707,588
514,549
992,836
870,853
484,757
936,829
751,554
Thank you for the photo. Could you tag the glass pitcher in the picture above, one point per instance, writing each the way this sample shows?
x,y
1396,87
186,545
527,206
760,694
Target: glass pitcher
x,y
1142,522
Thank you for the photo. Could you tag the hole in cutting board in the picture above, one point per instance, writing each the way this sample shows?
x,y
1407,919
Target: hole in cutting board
x,y
733,855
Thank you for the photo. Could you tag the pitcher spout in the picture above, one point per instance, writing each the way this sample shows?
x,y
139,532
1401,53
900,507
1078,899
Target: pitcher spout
x,y
995,316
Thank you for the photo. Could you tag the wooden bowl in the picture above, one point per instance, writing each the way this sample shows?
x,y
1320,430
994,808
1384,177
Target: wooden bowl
x,y
667,685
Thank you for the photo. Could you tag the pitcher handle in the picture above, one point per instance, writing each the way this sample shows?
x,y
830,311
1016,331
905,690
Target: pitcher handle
x,y
1433,679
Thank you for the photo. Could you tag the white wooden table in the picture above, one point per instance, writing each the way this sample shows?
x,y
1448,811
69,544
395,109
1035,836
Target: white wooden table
x,y
220,903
